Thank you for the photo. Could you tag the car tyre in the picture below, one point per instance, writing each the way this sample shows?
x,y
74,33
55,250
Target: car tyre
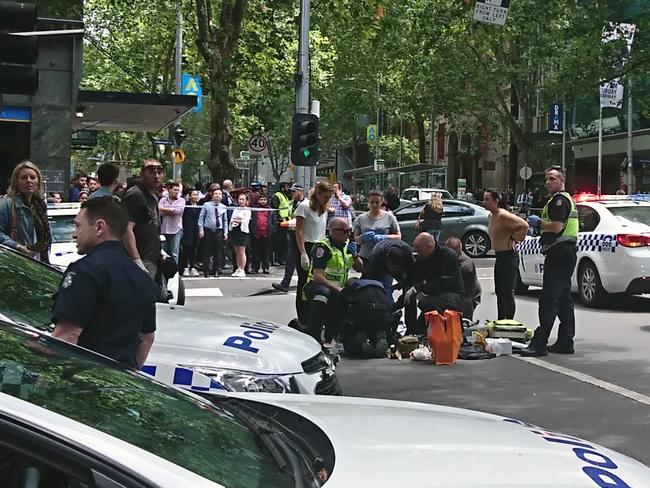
x,y
180,300
520,287
590,288
476,244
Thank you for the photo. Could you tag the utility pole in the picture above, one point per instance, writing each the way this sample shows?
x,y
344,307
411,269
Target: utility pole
x,y
178,71
630,150
303,174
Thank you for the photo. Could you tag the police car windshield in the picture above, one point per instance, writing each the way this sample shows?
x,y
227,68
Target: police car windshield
x,y
62,227
639,214
27,289
206,439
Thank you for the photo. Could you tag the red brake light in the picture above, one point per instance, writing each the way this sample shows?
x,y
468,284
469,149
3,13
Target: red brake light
x,y
633,240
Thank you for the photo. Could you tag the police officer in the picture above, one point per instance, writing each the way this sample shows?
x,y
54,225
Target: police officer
x,y
559,236
331,260
105,302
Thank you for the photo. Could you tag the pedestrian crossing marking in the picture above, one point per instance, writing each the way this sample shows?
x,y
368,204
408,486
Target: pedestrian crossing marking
x,y
203,292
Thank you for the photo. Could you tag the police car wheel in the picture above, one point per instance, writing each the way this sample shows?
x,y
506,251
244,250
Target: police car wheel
x,y
476,244
520,287
590,288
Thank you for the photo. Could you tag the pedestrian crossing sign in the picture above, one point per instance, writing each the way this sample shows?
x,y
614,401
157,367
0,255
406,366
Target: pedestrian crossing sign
x,y
191,85
371,133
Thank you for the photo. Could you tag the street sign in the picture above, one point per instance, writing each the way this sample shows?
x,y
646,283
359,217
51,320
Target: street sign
x,y
525,173
491,11
555,119
371,133
244,155
258,145
178,155
83,139
191,85
163,142
462,187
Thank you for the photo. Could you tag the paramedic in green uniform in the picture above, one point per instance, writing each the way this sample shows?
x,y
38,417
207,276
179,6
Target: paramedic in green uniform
x,y
331,260
559,228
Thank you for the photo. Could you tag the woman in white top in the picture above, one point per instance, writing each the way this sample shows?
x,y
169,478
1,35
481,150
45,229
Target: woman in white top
x,y
311,227
239,231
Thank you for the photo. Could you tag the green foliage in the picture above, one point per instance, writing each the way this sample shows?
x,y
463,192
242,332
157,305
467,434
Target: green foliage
x,y
389,147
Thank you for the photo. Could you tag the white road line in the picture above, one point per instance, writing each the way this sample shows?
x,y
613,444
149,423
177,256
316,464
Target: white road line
x,y
249,277
203,292
585,378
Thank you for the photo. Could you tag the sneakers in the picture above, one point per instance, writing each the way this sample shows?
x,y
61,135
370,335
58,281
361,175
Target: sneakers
x,y
239,273
280,287
193,272
186,273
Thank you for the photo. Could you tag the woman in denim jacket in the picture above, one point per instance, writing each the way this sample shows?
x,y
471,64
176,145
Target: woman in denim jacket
x,y
23,214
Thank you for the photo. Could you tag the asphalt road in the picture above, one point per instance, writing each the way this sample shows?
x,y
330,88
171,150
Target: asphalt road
x,y
601,393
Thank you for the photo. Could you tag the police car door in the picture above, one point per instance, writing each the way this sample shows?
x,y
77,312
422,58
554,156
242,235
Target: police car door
x,y
531,260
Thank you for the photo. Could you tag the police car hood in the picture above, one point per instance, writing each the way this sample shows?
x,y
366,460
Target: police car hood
x,y
385,443
211,339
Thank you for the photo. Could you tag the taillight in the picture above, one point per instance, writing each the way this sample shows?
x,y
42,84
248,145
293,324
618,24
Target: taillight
x,y
633,240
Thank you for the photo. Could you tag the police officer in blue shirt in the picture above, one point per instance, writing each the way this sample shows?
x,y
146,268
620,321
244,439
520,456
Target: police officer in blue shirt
x,y
105,302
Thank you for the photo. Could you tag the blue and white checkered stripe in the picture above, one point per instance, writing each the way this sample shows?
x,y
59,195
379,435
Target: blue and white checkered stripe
x,y
586,243
182,377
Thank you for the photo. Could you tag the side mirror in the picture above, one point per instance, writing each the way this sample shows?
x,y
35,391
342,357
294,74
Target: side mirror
x,y
414,199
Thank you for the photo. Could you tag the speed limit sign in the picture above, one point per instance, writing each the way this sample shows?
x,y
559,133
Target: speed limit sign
x,y
258,145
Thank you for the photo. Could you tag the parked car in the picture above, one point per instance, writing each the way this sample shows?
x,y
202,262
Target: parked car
x,y
63,250
196,350
414,194
75,419
613,249
467,221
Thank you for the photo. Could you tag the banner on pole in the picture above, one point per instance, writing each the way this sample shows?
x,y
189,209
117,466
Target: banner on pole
x,y
556,118
611,92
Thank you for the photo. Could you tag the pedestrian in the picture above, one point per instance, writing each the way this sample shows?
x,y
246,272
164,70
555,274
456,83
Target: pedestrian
x,y
142,237
77,184
105,303
506,230
213,231
340,204
190,240
93,185
208,195
281,200
437,283
473,291
331,260
559,228
375,225
107,174
392,198
263,225
255,192
56,197
390,260
239,231
297,196
199,188
171,208
23,214
83,196
311,227
430,218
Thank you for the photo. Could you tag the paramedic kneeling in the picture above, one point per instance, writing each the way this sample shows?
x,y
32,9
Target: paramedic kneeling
x,y
438,282
331,260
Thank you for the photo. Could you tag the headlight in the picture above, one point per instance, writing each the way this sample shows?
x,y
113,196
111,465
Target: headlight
x,y
245,381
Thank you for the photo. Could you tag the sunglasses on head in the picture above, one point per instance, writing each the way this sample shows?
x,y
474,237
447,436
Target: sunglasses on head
x,y
559,169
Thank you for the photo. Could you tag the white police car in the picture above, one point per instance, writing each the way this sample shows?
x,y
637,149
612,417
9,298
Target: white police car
x,y
199,351
613,249
71,418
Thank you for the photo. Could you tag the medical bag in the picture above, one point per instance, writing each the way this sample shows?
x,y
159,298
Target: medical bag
x,y
367,306
445,335
508,329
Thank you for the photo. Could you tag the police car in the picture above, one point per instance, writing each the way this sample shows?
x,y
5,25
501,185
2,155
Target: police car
x,y
63,250
71,418
199,351
613,249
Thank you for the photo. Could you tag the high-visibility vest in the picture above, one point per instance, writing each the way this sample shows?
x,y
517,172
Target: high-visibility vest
x,y
284,205
571,226
338,266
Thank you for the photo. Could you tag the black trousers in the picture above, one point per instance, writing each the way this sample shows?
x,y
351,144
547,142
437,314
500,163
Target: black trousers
x,y
188,256
440,301
325,309
212,248
555,300
290,267
505,274
302,306
261,252
280,245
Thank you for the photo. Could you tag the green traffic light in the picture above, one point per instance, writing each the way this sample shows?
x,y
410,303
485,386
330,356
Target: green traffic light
x,y
306,153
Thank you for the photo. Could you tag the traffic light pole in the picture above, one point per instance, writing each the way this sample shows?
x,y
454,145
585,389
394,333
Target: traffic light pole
x,y
178,71
303,174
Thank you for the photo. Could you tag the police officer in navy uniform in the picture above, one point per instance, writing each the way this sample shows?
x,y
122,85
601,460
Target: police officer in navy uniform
x,y
559,228
332,259
105,302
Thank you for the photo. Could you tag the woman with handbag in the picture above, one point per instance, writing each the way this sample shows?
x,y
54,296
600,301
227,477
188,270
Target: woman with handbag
x,y
430,218
23,214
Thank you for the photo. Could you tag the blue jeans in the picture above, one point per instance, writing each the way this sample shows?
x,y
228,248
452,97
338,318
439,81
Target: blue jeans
x,y
173,244
435,234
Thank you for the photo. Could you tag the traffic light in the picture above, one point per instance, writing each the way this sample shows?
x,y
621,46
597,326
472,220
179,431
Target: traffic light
x,y
179,135
18,53
304,140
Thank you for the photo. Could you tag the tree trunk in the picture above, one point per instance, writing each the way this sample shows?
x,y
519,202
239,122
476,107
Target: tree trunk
x,y
422,139
221,162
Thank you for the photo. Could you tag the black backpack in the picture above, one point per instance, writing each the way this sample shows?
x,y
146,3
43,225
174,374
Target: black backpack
x,y
367,306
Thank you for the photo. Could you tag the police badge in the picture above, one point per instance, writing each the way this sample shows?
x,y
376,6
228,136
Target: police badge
x,y
67,279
